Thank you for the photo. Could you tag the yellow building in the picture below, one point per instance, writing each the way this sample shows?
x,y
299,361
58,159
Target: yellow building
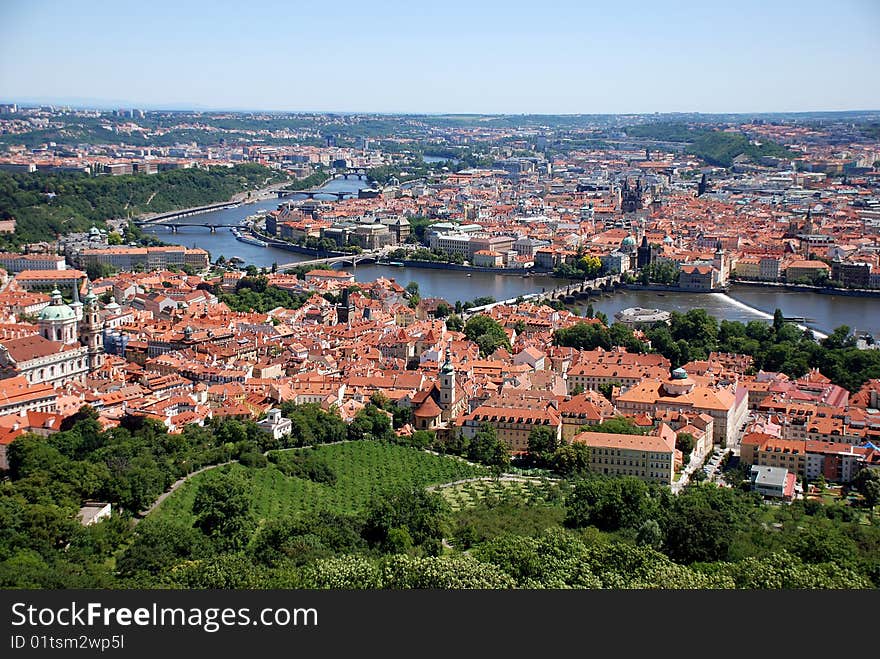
x,y
512,424
650,458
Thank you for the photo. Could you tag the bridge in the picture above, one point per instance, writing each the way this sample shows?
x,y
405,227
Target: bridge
x,y
311,193
176,226
350,259
186,212
568,294
354,172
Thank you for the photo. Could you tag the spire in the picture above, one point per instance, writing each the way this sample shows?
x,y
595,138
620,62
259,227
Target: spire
x,y
76,292
447,363
90,298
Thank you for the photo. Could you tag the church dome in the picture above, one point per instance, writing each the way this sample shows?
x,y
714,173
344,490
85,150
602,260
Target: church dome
x,y
90,297
629,241
57,311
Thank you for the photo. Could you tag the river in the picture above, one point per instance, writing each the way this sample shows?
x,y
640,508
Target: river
x,y
743,303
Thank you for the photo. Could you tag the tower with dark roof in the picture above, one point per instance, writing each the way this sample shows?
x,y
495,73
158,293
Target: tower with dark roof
x,y
644,255
631,197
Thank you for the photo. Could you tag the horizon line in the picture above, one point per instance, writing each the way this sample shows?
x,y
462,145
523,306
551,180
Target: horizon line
x,y
181,107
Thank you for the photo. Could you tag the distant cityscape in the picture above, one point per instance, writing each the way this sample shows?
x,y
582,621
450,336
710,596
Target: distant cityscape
x,y
104,316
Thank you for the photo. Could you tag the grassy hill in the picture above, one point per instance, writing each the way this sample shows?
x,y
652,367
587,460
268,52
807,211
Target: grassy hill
x,y
363,470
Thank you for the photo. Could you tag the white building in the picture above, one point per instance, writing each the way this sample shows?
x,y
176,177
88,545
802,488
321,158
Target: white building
x,y
275,424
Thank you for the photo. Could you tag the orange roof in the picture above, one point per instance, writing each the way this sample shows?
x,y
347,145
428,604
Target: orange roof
x,y
627,442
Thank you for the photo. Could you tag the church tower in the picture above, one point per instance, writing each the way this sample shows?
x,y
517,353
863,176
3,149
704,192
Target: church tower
x,y
345,309
719,263
447,382
91,331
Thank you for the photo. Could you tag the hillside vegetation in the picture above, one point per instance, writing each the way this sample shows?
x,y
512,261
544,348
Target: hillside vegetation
x,y
46,205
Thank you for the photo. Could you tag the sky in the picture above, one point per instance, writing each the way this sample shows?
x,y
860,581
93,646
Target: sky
x,y
535,57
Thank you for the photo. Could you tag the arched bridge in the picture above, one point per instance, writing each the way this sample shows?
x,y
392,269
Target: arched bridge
x,y
311,193
353,172
569,293
345,259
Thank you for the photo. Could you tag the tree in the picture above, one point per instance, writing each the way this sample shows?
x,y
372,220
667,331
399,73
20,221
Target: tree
x,y
542,443
222,507
487,449
414,518
159,544
607,389
608,504
454,323
371,422
618,425
867,483
650,534
778,321
571,460
684,442
839,338
702,522
487,333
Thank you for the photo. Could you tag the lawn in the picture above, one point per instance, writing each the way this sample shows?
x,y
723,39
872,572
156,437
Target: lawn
x,y
363,469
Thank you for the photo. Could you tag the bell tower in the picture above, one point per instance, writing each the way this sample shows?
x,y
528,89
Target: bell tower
x,y
91,331
447,382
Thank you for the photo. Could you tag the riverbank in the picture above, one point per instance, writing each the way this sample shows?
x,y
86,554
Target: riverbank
x,y
804,288
436,265
669,289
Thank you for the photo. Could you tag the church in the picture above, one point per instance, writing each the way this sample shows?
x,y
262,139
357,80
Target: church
x,y
68,347
442,402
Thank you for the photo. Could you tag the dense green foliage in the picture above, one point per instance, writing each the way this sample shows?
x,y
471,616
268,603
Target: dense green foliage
x,y
425,254
619,425
46,205
487,333
357,515
255,294
777,347
589,336
666,131
660,272
585,267
721,148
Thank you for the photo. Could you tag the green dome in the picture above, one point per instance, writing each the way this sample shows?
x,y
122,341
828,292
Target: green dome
x,y
57,312
679,374
629,241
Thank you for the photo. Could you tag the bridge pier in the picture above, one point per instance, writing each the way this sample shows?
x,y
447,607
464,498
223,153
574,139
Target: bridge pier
x,y
212,228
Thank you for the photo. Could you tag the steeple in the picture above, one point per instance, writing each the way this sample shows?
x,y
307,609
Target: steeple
x,y
91,330
447,381
701,188
76,305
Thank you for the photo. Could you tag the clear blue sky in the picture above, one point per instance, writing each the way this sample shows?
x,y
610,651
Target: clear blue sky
x,y
494,57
